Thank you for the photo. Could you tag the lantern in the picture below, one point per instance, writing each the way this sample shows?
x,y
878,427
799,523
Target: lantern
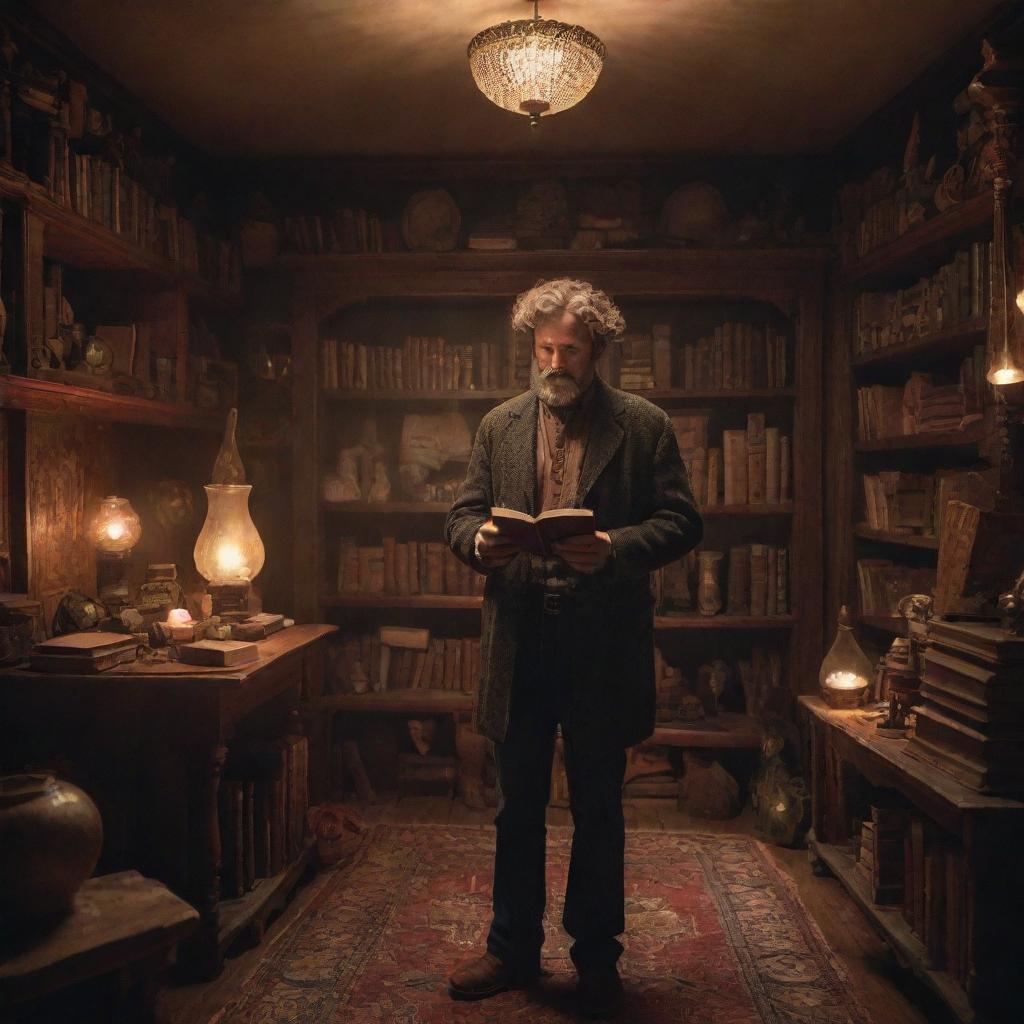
x,y
845,671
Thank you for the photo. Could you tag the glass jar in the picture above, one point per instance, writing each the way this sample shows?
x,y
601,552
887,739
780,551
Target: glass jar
x,y
229,549
845,670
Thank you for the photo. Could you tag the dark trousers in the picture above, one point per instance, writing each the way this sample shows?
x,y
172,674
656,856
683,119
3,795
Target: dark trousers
x,y
594,896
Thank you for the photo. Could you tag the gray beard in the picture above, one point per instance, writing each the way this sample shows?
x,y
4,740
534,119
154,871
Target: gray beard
x,y
557,391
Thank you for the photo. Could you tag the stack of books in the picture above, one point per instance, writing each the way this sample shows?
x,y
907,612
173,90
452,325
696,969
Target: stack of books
x,y
970,722
881,584
404,568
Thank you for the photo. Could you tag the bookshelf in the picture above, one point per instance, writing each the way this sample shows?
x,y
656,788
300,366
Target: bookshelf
x,y
465,296
890,277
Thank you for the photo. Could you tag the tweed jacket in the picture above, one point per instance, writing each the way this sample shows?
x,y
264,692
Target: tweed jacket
x,y
634,480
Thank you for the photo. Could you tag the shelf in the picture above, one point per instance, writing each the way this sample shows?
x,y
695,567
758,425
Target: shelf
x,y
419,395
502,394
724,621
269,894
407,701
74,239
887,623
550,262
957,340
450,601
435,508
726,731
69,399
907,540
921,248
926,440
891,925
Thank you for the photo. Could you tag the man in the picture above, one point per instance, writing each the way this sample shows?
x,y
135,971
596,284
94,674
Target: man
x,y
567,640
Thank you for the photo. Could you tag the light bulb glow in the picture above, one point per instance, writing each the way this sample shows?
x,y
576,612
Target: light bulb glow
x,y
115,530
230,559
1020,300
845,681
1005,375
228,549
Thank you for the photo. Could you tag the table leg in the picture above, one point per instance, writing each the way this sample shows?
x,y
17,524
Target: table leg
x,y
203,949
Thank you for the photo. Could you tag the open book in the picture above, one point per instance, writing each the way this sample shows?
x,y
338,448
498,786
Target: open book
x,y
536,535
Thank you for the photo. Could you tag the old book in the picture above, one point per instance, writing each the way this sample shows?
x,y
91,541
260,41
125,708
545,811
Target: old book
x,y
536,534
418,665
261,828
85,653
713,492
402,569
662,344
388,548
226,653
784,469
257,627
467,665
249,833
758,579
756,453
734,446
415,566
411,637
435,568
739,582
782,581
771,580
772,464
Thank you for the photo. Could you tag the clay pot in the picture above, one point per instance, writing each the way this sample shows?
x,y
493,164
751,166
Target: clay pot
x,y
51,835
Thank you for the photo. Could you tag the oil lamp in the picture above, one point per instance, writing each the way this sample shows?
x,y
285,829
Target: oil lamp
x,y
845,671
229,552
114,530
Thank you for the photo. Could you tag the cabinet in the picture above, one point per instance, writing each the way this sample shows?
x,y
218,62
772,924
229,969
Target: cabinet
x,y
382,298
149,743
967,952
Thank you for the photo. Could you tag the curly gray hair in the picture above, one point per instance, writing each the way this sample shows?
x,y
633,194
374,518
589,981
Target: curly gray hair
x,y
563,294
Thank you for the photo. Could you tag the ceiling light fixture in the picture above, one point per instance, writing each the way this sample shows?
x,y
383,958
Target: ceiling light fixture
x,y
535,67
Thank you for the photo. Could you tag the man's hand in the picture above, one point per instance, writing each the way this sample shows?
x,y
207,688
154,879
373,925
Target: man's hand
x,y
585,554
491,548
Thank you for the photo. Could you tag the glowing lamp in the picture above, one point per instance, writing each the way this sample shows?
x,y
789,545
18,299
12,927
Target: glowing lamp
x,y
845,670
114,529
229,553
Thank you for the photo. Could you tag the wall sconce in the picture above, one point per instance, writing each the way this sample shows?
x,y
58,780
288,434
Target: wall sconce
x,y
114,529
845,671
229,553
998,91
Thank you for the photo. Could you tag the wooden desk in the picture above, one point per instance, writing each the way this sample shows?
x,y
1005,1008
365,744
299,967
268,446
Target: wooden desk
x,y
148,742
986,830
117,921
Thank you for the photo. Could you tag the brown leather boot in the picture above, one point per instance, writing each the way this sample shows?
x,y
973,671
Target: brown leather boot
x,y
483,976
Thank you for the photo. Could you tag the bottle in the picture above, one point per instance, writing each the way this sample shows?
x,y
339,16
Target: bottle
x,y
845,670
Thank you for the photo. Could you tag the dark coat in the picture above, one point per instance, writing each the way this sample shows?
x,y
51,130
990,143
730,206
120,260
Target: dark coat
x,y
635,481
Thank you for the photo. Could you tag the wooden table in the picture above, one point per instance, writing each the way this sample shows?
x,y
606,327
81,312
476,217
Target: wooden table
x,y
149,742
988,830
118,921
727,730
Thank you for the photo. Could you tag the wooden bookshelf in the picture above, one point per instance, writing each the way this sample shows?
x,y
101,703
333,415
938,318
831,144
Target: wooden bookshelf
x,y
906,540
956,341
668,622
407,701
81,242
45,396
727,730
921,248
327,287
936,439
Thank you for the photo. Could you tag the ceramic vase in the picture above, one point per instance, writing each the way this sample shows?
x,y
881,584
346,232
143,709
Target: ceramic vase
x,y
51,835
709,594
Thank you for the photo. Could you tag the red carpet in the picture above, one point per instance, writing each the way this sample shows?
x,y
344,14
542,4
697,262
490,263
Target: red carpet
x,y
715,935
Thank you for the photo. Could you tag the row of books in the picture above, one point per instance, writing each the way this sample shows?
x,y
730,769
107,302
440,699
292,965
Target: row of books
x,y
404,568
922,406
914,503
347,230
368,662
881,584
429,364
752,467
263,801
906,861
756,580
101,191
878,211
737,356
956,293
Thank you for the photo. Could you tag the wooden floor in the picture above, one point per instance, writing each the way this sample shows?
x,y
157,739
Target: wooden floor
x,y
891,995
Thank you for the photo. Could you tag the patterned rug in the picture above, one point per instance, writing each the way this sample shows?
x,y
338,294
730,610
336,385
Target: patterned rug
x,y
714,935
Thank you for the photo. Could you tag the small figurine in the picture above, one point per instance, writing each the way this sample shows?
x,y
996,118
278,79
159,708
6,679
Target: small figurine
x,y
380,489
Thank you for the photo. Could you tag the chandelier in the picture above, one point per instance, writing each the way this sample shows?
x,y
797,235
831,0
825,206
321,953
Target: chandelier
x,y
535,66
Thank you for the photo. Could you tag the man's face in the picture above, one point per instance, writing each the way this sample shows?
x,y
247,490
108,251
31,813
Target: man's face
x,y
564,350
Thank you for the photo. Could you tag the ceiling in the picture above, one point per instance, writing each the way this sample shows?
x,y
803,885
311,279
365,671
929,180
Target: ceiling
x,y
390,77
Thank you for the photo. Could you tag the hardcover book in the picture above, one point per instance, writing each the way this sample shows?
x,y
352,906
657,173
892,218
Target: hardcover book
x,y
536,534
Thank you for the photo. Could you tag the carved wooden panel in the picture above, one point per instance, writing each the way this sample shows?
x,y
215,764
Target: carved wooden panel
x,y
68,467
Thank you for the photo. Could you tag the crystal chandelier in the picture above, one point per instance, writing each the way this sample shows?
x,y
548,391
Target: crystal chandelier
x,y
535,67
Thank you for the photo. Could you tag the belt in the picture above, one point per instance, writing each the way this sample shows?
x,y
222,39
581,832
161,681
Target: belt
x,y
553,603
